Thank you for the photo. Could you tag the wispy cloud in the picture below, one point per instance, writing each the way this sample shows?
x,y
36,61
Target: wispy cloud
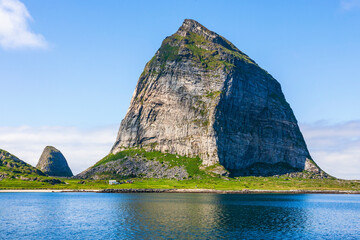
x,y
81,148
347,5
14,27
335,147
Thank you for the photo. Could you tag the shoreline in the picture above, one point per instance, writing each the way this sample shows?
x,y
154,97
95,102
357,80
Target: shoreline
x,y
46,190
150,190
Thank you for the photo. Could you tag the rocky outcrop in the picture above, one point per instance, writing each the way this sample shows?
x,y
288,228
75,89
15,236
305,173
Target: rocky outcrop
x,y
134,167
53,163
201,96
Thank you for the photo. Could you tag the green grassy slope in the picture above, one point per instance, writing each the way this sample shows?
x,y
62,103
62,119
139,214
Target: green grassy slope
x,y
13,167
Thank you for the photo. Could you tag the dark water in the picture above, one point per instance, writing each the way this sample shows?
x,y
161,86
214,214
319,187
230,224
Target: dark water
x,y
178,216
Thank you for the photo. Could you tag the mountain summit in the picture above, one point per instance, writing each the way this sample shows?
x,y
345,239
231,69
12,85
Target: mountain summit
x,y
201,96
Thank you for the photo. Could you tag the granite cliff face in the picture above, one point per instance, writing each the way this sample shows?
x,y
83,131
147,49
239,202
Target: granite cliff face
x,y
53,163
201,96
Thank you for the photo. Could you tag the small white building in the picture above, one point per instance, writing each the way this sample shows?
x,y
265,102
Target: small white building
x,y
113,182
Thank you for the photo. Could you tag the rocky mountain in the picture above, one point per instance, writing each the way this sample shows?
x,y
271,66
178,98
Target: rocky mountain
x,y
13,167
200,96
53,163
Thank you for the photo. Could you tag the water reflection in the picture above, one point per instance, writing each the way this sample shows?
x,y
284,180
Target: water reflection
x,y
167,215
208,216
178,216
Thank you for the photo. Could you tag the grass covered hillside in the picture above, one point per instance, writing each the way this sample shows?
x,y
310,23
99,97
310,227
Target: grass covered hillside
x,y
13,167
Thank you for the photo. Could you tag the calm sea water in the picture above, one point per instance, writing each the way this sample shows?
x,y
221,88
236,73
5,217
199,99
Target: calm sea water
x,y
178,216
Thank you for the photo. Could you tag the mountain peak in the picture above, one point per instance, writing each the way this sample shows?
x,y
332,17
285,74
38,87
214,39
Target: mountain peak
x,y
190,25
200,96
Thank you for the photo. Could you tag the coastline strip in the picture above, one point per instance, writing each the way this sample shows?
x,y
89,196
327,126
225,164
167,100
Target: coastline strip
x,y
150,190
46,190
245,191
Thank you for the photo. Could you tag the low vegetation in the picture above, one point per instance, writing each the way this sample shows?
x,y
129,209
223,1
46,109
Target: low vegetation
x,y
12,167
218,183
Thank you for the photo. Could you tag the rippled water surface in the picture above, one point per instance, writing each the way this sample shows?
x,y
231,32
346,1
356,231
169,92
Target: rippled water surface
x,y
178,216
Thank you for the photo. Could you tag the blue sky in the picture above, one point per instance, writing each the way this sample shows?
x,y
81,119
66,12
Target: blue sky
x,y
79,62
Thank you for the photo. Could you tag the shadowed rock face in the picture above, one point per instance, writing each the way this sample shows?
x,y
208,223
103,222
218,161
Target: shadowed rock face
x,y
201,96
53,163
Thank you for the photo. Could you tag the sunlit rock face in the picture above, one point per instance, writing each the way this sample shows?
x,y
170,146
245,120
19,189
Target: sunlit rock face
x,y
201,96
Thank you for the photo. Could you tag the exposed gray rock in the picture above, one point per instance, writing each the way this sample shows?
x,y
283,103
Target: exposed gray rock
x,y
201,96
53,163
217,170
134,167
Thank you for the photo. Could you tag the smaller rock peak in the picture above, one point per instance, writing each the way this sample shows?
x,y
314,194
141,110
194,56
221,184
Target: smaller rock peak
x,y
53,163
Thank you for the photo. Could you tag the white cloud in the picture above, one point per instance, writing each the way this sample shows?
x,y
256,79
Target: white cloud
x,y
347,5
81,148
335,147
14,27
